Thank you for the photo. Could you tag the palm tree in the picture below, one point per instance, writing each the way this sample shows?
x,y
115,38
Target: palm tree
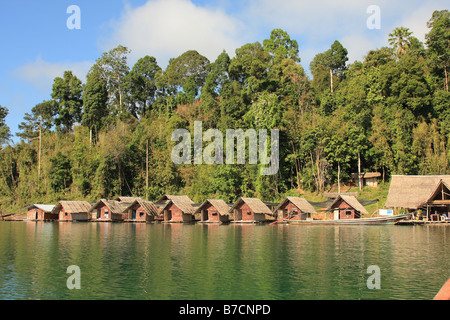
x,y
399,40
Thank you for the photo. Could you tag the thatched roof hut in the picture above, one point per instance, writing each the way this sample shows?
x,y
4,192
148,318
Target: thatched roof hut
x,y
116,207
148,206
412,192
165,198
350,200
221,206
125,199
255,204
301,203
72,207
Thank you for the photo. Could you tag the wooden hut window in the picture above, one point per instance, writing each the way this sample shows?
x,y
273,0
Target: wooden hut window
x,y
348,213
141,214
249,213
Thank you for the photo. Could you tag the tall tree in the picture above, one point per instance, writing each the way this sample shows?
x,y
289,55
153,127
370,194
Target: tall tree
x,y
5,133
188,73
280,46
95,99
438,41
334,59
112,66
399,39
67,94
140,85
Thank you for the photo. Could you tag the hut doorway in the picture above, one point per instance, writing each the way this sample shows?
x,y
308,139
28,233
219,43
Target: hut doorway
x,y
167,215
133,215
204,215
238,214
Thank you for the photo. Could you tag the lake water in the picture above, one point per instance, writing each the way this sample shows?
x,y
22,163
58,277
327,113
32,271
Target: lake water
x,y
187,262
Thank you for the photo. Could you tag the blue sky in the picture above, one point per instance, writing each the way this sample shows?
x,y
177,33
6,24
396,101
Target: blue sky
x,y
37,46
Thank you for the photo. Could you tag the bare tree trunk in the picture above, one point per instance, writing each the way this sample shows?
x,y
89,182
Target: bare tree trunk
x,y
359,171
313,171
146,173
319,172
446,79
339,177
331,80
296,166
40,150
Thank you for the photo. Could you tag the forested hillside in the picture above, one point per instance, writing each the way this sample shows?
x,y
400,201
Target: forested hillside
x,y
112,134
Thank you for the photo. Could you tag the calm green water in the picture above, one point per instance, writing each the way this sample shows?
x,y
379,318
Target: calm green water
x,y
256,262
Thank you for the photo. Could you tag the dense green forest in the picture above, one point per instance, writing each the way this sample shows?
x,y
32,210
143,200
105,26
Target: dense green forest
x,y
111,135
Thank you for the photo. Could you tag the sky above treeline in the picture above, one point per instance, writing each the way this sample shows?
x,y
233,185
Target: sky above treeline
x,y
38,43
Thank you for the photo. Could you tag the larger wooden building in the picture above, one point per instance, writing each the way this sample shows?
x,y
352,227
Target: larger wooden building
x,y
429,194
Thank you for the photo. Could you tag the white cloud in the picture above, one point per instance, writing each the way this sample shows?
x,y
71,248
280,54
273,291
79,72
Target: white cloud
x,y
167,28
417,19
40,74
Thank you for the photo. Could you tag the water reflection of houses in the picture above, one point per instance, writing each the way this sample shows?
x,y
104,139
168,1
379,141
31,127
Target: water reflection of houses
x,y
429,194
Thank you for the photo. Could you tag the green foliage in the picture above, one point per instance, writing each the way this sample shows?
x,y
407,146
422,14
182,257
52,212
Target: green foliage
x,y
5,134
60,172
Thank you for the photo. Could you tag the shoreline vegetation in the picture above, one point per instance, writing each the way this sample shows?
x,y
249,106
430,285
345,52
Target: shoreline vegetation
x,y
111,135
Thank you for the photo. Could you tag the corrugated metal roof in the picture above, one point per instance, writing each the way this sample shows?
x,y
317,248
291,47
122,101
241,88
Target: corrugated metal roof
x,y
43,207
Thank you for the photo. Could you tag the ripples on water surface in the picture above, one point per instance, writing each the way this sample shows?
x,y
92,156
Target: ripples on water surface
x,y
256,262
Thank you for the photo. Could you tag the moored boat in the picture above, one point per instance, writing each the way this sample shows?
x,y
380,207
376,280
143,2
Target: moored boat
x,y
374,220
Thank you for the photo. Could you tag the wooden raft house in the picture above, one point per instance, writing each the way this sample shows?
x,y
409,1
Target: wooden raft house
x,y
428,197
251,210
108,210
41,212
72,210
140,211
294,208
214,211
347,207
177,210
